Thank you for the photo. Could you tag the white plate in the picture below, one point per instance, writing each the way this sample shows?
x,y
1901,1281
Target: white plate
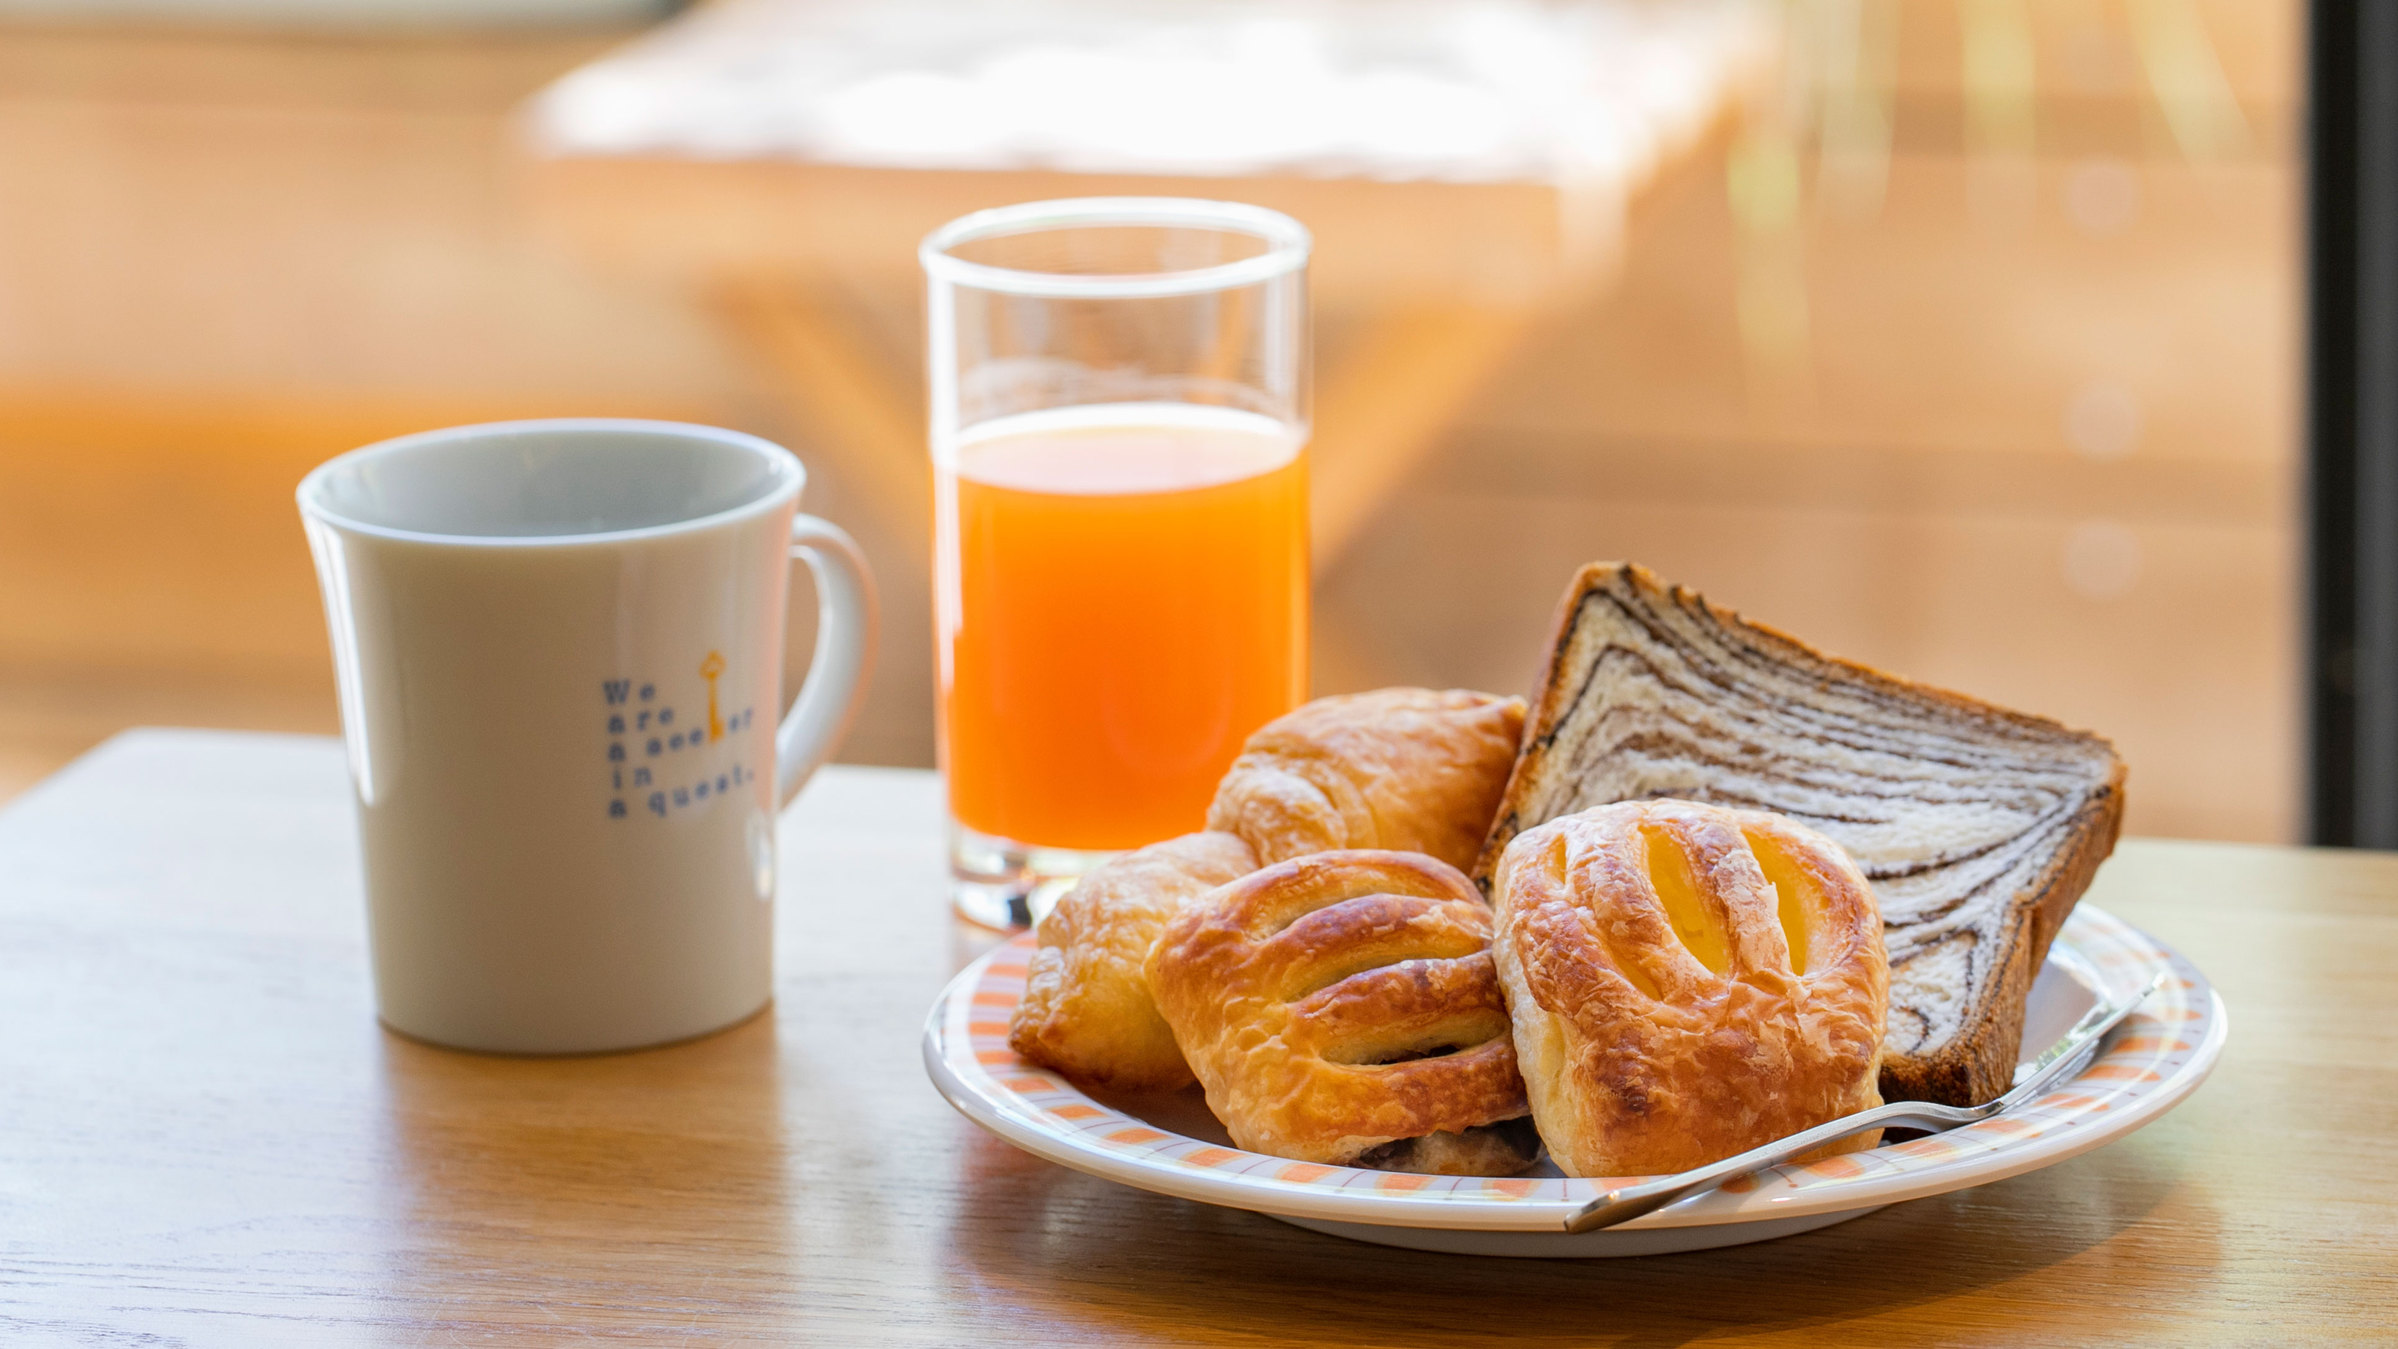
x,y
1170,1144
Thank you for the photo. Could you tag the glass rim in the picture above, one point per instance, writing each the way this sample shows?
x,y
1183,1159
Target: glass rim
x,y
1287,246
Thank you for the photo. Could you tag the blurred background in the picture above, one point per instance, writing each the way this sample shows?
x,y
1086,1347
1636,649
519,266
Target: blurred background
x,y
1955,336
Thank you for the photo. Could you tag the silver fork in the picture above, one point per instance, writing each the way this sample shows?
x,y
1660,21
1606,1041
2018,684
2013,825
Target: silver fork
x,y
2062,1059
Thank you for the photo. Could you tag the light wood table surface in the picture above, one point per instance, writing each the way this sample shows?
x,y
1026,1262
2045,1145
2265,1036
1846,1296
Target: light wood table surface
x,y
728,153
206,1138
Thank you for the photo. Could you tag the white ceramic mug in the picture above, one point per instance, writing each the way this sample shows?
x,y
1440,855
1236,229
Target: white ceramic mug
x,y
560,651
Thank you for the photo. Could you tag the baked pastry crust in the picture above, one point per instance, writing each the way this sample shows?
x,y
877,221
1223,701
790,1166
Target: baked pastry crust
x,y
1686,982
1086,1009
1979,827
1411,770
1340,1003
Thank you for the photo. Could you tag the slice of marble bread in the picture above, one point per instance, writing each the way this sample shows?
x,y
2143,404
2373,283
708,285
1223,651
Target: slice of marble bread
x,y
1979,827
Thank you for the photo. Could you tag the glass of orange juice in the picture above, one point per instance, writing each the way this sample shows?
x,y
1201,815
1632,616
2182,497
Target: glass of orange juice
x,y
1119,424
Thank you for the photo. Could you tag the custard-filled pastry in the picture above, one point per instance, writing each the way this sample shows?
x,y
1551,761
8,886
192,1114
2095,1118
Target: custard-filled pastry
x,y
1687,982
1342,1008
1411,770
1086,1009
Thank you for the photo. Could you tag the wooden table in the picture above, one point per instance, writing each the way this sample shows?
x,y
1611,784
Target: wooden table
x,y
783,157
743,154
206,1138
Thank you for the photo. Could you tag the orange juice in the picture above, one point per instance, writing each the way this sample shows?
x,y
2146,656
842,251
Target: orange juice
x,y
1124,599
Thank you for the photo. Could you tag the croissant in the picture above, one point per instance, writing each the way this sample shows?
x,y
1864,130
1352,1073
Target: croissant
x,y
1086,1009
1411,770
1343,1008
1686,982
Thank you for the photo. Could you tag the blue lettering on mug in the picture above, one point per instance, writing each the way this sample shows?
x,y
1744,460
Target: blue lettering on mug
x,y
702,782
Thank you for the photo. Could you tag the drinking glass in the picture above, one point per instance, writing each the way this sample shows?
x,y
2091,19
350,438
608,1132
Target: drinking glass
x,y
1119,424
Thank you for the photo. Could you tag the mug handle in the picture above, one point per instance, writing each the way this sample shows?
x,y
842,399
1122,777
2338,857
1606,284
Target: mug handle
x,y
846,620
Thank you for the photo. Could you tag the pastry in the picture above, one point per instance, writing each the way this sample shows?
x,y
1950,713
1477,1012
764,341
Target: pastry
x,y
1978,827
1343,1008
1406,768
1686,982
1086,1009
1413,770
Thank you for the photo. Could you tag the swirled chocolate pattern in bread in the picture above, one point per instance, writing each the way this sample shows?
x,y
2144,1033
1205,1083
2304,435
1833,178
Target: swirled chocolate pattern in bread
x,y
1343,1008
1978,827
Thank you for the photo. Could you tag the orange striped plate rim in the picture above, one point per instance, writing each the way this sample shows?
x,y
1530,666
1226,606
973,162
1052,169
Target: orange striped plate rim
x,y
2162,1028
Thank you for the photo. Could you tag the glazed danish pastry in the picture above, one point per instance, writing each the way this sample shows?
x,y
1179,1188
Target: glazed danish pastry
x,y
1086,1009
1343,1008
1686,982
1414,770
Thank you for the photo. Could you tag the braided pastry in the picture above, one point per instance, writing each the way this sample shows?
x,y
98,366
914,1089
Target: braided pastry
x,y
1687,982
1343,1008
1413,770
1086,1009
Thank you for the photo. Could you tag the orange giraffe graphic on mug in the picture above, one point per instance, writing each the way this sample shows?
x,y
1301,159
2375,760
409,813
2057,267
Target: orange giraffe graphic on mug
x,y
708,670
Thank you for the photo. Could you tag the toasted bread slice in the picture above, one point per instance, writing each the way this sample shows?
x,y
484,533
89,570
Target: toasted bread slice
x,y
1978,827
